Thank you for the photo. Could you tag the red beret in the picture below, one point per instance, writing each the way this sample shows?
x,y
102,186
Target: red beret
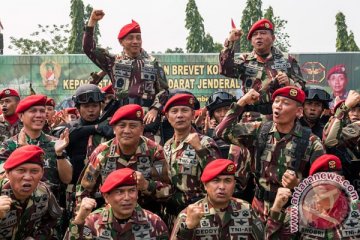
x,y
71,110
216,168
108,89
8,92
118,178
291,92
32,100
260,25
24,154
128,112
132,27
50,102
336,69
181,99
326,163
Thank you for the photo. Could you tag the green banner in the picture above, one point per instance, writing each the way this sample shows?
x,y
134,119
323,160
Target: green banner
x,y
59,75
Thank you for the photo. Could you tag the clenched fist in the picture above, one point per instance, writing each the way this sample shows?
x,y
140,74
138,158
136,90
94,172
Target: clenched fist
x,y
194,214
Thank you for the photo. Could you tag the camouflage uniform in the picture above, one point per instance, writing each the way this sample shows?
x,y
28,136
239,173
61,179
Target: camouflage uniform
x,y
148,159
47,143
186,166
279,227
102,224
341,138
36,219
7,130
258,73
237,221
141,80
278,156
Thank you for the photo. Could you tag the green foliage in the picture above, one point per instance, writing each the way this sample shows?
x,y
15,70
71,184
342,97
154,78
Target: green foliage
x,y
77,25
282,38
352,44
46,40
344,42
197,40
176,50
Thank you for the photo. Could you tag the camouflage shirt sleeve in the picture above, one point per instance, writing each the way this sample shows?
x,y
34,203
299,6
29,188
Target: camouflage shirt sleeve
x,y
228,66
295,76
278,226
6,148
210,151
333,128
236,133
161,88
180,231
81,231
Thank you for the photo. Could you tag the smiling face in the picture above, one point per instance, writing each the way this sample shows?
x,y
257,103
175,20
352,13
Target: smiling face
x,y
24,179
34,118
132,43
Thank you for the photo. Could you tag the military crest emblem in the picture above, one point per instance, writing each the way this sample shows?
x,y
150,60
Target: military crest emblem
x,y
332,164
293,92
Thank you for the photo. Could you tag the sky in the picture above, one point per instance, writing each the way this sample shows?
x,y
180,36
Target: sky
x,y
311,23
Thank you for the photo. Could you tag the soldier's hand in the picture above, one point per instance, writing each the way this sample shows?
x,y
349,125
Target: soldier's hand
x,y
194,140
97,15
194,214
235,34
151,116
22,138
62,142
249,98
289,179
5,205
86,207
282,197
352,99
142,183
282,78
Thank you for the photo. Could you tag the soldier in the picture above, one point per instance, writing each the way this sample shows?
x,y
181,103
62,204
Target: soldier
x,y
265,69
121,218
136,76
10,124
283,148
337,80
129,149
28,209
187,153
330,215
50,112
316,101
342,135
218,215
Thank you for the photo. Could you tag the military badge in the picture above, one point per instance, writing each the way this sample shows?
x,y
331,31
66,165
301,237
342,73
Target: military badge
x,y
138,114
191,101
230,168
7,91
293,92
267,25
332,164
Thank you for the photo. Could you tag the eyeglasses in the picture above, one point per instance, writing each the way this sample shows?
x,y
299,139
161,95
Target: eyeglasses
x,y
89,97
317,94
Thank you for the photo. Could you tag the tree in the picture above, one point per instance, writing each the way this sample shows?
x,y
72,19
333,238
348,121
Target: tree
x,y
251,13
88,11
197,40
282,38
176,50
77,25
342,34
352,44
46,40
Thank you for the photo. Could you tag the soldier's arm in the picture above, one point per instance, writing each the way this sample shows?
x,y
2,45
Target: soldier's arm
x,y
242,158
278,226
229,67
350,134
161,88
160,230
81,231
180,231
209,151
296,78
316,149
333,128
160,182
233,132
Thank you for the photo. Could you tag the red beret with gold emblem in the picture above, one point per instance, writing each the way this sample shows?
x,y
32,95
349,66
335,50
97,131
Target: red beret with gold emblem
x,y
132,27
326,163
28,102
8,92
50,102
336,69
24,154
118,178
216,168
108,89
263,24
128,112
291,92
181,99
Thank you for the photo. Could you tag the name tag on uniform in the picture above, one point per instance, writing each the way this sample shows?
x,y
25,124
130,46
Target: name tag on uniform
x,y
350,232
240,229
313,231
206,231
